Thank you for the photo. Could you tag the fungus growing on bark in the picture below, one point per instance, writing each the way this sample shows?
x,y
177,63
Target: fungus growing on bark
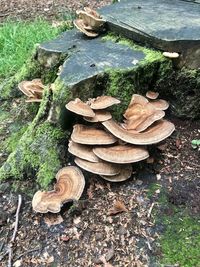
x,y
152,95
32,89
79,24
125,173
154,134
143,126
82,151
121,154
103,102
70,185
89,22
79,107
171,55
140,114
160,104
100,115
91,136
101,167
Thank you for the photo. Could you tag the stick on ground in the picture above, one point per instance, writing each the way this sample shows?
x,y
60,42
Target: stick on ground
x,y
10,252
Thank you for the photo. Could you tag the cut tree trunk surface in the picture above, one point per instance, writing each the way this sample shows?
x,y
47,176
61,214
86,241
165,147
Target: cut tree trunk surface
x,y
164,24
87,58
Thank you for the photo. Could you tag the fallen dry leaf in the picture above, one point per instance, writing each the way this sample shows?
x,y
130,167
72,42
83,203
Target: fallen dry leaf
x,y
118,207
17,263
64,238
178,143
150,160
53,219
90,191
162,147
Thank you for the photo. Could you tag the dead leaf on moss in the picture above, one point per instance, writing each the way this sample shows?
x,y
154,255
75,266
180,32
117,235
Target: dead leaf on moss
x,y
118,207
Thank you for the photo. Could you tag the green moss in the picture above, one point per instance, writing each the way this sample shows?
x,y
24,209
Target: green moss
x,y
180,242
151,55
124,83
11,142
29,70
38,149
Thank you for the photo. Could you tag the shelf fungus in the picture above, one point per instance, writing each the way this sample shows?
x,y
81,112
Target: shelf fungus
x,y
32,89
141,114
152,95
70,185
125,174
91,136
103,102
171,55
79,107
89,22
100,115
109,149
101,167
160,104
121,154
152,135
82,151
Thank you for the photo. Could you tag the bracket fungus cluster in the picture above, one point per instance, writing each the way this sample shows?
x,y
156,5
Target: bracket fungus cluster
x,y
70,185
108,148
32,89
89,22
105,147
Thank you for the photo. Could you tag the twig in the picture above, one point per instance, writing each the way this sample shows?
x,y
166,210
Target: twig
x,y
14,232
27,252
150,210
17,218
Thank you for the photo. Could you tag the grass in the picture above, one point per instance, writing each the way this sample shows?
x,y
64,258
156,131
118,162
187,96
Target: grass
x,y
17,40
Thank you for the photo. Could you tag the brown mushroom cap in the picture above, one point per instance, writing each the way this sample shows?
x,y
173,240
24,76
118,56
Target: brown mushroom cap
x,y
171,54
138,99
101,167
160,104
70,185
152,95
103,102
79,107
159,114
90,19
125,173
23,86
79,24
154,134
33,89
92,12
121,154
141,114
91,136
100,115
82,151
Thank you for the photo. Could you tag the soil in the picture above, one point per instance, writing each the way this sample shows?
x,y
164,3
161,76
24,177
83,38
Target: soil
x,y
51,9
89,233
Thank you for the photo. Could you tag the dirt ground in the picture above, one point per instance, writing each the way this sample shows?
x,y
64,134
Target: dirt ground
x,y
50,9
90,233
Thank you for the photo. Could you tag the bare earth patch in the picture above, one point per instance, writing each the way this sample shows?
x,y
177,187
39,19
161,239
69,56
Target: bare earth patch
x,y
53,9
